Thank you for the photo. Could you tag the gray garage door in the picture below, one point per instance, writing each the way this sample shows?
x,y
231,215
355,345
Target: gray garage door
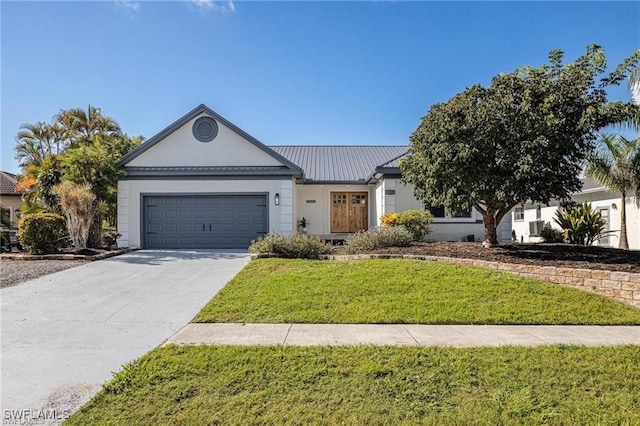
x,y
204,221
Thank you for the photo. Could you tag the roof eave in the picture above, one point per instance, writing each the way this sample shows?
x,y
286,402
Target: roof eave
x,y
381,172
155,173
335,182
592,190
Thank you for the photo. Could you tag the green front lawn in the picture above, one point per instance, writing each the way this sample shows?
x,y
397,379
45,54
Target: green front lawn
x,y
402,291
363,385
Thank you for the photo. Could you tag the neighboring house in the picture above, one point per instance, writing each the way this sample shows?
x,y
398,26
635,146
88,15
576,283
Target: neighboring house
x,y
10,198
528,219
203,182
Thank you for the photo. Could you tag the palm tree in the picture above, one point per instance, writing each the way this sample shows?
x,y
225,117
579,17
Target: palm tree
x,y
60,137
634,88
83,125
616,165
34,143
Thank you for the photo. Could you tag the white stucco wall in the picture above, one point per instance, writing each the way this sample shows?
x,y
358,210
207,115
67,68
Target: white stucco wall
x,y
388,202
405,200
181,148
281,218
505,228
379,198
599,199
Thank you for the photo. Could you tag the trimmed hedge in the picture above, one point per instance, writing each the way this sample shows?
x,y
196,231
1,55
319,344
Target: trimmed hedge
x,y
42,233
296,246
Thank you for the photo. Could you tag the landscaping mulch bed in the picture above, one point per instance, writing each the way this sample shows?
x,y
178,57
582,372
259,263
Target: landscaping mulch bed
x,y
16,268
14,272
560,255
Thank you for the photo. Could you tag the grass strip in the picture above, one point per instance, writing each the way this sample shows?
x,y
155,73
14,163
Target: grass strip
x,y
402,292
232,385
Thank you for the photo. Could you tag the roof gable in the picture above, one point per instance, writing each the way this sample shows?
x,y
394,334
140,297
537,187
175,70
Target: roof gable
x,y
176,146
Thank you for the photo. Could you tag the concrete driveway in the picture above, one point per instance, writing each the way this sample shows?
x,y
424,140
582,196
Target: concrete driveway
x,y
64,334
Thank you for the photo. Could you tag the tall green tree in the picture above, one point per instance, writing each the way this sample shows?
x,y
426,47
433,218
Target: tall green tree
x,y
82,126
48,176
81,147
634,87
616,165
34,142
525,137
96,165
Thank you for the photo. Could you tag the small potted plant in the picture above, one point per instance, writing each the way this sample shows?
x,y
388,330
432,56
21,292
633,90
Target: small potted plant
x,y
302,223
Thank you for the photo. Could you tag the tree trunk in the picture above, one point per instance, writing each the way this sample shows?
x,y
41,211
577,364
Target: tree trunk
x,y
624,242
95,233
491,219
490,226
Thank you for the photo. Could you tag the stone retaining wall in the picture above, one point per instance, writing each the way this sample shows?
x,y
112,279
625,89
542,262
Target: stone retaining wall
x,y
622,286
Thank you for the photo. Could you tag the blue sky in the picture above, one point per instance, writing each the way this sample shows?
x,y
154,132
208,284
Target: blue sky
x,y
286,72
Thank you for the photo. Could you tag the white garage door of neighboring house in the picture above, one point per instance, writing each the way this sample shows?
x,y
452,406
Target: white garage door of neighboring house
x,y
204,221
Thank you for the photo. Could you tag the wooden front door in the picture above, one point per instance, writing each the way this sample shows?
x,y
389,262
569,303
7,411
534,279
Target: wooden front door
x,y
349,211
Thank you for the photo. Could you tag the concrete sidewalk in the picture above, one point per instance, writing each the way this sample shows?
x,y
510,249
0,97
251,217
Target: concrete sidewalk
x,y
405,335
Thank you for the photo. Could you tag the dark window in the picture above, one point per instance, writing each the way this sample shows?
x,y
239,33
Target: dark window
x,y
437,211
339,198
464,214
5,216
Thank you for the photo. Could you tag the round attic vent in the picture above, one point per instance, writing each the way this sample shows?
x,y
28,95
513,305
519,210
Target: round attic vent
x,y
205,129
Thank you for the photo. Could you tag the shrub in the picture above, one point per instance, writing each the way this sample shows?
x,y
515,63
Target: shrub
x,y
110,239
550,234
5,242
416,222
376,238
581,224
42,232
296,246
389,219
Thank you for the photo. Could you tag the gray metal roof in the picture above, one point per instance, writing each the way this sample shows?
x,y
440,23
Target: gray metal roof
x,y
339,164
393,163
590,185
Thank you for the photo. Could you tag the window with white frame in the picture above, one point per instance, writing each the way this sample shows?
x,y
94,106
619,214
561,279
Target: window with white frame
x,y
518,214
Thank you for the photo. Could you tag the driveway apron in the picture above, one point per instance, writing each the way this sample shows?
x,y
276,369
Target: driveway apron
x,y
64,334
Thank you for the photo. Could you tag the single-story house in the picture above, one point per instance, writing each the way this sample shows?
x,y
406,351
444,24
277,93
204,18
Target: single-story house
x,y
10,198
528,219
205,183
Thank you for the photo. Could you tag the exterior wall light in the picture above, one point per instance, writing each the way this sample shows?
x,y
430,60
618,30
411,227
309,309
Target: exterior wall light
x,y
276,199
614,206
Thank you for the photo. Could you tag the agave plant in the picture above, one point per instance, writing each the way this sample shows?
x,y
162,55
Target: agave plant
x,y
581,224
